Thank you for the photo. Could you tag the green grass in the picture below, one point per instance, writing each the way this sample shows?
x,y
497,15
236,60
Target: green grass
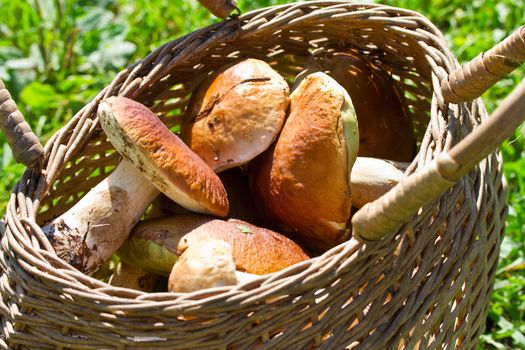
x,y
56,55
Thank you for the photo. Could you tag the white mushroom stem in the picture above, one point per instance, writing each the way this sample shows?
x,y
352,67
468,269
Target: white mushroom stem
x,y
372,177
89,233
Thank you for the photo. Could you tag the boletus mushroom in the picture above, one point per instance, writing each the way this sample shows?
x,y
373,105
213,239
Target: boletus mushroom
x,y
385,130
371,178
156,244
236,114
155,160
206,264
302,183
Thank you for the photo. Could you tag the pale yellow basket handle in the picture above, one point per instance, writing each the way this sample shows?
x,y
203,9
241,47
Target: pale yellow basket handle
x,y
476,77
384,216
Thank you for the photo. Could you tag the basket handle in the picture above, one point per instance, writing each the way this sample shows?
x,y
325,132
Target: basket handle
x,y
24,143
477,76
378,219
220,8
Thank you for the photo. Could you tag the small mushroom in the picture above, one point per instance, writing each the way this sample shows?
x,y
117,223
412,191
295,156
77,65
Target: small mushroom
x,y
156,244
127,276
92,230
236,114
206,264
372,178
302,183
256,250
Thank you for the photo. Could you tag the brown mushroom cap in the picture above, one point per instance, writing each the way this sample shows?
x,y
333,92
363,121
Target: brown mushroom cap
x,y
141,138
255,250
206,264
236,114
302,184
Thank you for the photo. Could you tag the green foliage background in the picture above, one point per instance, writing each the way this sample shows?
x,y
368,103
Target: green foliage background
x,y
57,54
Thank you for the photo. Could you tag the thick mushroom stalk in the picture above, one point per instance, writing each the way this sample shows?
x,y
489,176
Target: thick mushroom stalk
x,y
89,233
206,264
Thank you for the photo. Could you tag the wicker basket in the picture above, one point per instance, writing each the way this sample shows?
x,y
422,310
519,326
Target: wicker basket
x,y
425,287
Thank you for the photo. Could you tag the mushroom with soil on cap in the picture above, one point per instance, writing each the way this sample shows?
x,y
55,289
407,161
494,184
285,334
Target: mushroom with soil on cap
x,y
236,114
156,244
302,183
155,160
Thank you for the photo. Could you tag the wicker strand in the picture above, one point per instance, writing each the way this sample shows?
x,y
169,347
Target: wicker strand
x,y
220,8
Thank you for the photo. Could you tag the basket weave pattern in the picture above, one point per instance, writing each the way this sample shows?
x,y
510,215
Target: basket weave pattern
x,y
426,288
